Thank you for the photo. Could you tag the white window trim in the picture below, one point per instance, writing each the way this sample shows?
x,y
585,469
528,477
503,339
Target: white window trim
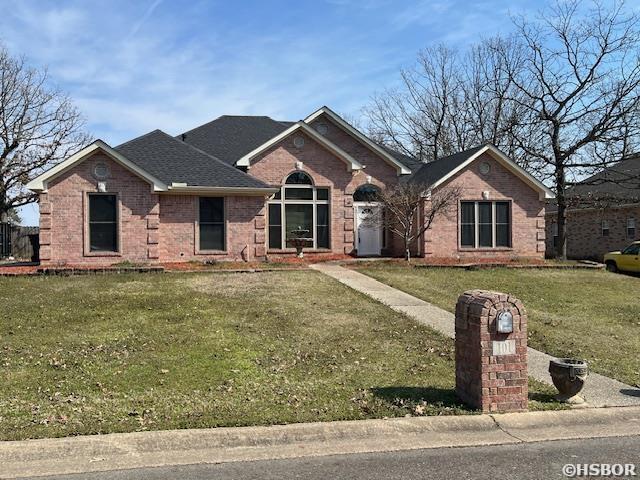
x,y
631,224
314,202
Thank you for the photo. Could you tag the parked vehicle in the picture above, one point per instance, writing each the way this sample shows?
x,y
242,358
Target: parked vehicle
x,y
628,260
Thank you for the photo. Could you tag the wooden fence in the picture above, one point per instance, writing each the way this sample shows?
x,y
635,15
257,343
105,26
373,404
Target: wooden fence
x,y
22,242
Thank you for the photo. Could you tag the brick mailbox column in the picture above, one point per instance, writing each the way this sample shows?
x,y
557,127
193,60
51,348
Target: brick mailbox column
x,y
491,367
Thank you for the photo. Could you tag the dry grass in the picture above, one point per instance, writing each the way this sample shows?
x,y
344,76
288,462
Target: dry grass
x,y
119,353
590,314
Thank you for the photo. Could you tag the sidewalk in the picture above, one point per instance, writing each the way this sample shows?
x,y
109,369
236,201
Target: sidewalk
x,y
599,391
119,451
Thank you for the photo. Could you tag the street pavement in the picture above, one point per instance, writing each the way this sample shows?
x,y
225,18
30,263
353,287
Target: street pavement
x,y
531,461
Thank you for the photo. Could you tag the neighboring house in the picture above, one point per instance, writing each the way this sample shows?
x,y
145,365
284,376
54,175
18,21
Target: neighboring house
x,y
235,187
603,213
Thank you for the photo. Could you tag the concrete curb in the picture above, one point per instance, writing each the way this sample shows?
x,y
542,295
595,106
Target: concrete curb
x,y
119,451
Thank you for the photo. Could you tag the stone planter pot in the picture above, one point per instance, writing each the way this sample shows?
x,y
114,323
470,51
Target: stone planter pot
x,y
569,375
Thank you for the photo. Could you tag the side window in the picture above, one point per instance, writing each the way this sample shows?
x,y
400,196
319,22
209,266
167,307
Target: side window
x,y
211,223
103,223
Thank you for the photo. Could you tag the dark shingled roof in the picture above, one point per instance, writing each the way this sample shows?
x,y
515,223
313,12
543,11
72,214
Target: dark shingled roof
x,y
621,180
171,160
411,163
431,172
615,185
231,137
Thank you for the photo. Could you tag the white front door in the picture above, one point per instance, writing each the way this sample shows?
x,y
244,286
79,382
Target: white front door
x,y
368,230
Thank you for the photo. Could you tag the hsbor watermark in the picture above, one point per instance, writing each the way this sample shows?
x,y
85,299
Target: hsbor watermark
x,y
578,470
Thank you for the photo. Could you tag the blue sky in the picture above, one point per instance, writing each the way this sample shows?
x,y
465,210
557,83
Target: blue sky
x,y
133,66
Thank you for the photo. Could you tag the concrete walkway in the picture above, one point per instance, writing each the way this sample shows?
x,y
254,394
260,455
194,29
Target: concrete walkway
x,y
599,391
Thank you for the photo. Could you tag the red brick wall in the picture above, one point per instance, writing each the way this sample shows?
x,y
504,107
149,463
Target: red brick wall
x,y
527,214
152,227
62,215
326,170
163,227
584,232
178,228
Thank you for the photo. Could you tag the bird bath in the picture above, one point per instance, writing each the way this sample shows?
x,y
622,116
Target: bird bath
x,y
299,240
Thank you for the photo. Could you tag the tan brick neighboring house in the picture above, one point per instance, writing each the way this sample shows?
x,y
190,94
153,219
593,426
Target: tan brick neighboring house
x,y
604,213
235,188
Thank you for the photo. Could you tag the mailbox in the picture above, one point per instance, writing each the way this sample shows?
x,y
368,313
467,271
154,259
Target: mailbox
x,y
491,351
504,322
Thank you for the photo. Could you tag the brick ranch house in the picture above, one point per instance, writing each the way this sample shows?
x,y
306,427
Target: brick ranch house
x,y
235,187
603,213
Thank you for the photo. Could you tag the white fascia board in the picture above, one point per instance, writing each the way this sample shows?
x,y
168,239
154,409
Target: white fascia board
x,y
351,162
543,190
402,169
182,189
39,184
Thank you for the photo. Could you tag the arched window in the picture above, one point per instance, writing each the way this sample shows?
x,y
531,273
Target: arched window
x,y
366,193
298,178
299,205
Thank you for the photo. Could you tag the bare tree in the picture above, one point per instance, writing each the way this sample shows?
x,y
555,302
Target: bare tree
x,y
449,101
409,209
13,217
561,97
39,126
416,118
579,83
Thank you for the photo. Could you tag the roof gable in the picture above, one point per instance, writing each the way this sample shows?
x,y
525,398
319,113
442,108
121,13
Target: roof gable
x,y
39,184
352,163
440,171
167,164
400,167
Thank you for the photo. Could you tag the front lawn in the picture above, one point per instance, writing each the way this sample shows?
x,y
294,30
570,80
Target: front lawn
x,y
118,353
590,314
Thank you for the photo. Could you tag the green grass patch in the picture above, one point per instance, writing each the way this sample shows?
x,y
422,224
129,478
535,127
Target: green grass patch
x,y
120,353
588,314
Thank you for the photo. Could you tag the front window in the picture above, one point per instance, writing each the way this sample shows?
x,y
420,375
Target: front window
x,y
485,224
103,223
299,205
632,249
211,223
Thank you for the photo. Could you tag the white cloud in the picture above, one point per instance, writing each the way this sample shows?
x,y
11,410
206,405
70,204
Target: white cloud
x,y
136,66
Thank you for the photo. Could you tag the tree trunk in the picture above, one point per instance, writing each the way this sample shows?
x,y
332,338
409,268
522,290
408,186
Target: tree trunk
x,y
4,208
407,251
561,247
